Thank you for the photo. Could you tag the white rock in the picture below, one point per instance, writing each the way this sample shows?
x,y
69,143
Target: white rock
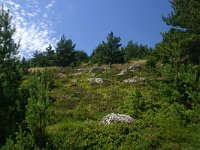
x,y
95,80
135,79
116,118
122,72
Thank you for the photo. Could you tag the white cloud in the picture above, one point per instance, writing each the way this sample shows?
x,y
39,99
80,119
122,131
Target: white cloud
x,y
32,27
45,15
48,6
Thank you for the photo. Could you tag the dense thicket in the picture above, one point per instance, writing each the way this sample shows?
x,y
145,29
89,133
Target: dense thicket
x,y
135,51
63,55
108,52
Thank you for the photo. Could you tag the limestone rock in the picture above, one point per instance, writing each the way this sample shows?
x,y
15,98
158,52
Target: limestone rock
x,y
61,75
122,72
135,67
116,118
95,80
135,79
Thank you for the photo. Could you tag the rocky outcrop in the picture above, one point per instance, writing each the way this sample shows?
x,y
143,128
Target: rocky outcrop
x,y
123,72
134,67
131,68
116,118
95,80
61,75
135,79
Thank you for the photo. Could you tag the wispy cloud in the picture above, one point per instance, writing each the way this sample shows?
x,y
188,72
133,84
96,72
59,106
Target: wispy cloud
x,y
33,29
48,6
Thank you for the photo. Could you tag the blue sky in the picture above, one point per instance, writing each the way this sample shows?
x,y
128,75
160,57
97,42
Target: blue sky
x,y
86,22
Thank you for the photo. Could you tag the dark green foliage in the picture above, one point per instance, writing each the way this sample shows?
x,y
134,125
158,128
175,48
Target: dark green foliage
x,y
185,15
39,60
182,42
179,46
10,77
65,52
80,57
43,59
135,51
23,141
184,88
108,52
37,117
151,63
65,55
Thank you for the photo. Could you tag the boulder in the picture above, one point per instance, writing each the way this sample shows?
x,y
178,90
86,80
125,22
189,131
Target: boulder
x,y
95,80
61,75
122,72
134,67
135,79
116,118
74,81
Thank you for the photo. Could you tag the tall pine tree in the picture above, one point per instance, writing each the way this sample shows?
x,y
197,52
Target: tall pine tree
x,y
9,77
182,42
65,52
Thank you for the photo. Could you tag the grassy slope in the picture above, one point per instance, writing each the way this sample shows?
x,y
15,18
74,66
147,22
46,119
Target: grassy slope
x,y
79,101
80,105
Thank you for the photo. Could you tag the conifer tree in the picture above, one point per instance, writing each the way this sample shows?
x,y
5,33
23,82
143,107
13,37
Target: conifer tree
x,y
9,76
183,40
108,52
65,52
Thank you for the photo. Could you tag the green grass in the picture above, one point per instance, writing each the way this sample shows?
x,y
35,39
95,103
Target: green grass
x,y
81,105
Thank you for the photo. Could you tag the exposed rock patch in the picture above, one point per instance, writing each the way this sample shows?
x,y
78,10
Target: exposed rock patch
x,y
131,68
61,75
134,67
135,79
123,72
116,118
95,80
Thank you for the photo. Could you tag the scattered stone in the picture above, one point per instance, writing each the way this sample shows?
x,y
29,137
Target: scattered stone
x,y
74,81
61,75
122,72
116,118
60,68
135,79
131,68
95,80
134,67
76,74
98,69
80,69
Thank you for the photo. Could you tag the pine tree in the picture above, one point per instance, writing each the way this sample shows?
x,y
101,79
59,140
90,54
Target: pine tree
x,y
9,76
184,37
108,52
185,15
65,52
